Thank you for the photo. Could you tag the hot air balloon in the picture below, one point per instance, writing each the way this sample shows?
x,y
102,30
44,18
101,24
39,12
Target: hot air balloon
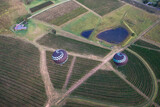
x,y
60,56
120,59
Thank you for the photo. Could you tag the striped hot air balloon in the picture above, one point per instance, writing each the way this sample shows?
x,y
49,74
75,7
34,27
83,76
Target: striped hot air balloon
x,y
60,56
120,59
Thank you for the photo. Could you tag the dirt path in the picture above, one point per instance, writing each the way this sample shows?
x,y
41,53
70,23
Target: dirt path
x,y
93,71
51,93
154,93
88,9
151,42
158,50
69,73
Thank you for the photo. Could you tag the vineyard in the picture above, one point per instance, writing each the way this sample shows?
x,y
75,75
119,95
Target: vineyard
x,y
102,7
72,102
81,67
151,56
154,34
57,72
61,13
136,72
36,8
107,88
56,42
145,44
20,80
158,95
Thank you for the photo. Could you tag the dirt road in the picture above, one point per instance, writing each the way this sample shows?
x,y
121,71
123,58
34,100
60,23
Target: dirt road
x,y
69,73
108,57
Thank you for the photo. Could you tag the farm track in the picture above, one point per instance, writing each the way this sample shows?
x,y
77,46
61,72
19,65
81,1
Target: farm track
x,y
51,93
63,33
69,73
151,42
85,77
152,75
48,8
88,9
158,50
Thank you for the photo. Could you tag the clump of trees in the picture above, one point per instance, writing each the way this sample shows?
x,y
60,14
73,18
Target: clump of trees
x,y
155,3
27,2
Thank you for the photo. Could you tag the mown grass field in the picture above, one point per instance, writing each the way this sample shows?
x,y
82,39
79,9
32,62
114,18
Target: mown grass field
x,y
154,34
145,44
136,72
157,100
152,58
105,87
86,22
56,42
81,67
34,29
101,7
139,20
20,80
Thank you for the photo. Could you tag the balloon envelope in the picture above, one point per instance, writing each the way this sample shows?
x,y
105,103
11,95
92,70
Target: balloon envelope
x,y
120,59
60,56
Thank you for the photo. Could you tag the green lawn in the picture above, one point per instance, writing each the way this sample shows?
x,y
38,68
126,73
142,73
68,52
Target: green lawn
x,y
56,42
81,67
20,79
136,72
151,56
57,72
66,17
154,34
86,22
102,7
105,87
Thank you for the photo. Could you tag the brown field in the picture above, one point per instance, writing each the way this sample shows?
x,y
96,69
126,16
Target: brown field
x,y
57,11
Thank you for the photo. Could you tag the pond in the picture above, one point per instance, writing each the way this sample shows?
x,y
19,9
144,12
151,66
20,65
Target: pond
x,y
115,36
87,33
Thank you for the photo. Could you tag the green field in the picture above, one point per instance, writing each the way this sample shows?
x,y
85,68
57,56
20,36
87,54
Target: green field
x,y
101,7
151,56
86,22
56,42
35,29
66,17
136,72
20,80
105,87
57,72
158,95
154,34
139,20
145,44
81,67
